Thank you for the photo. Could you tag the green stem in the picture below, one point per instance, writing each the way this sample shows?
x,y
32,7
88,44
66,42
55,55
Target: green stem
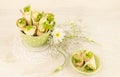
x,y
85,38
64,57
59,68
90,40
71,36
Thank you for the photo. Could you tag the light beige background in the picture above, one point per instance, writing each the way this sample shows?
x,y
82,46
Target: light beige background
x,y
101,17
92,4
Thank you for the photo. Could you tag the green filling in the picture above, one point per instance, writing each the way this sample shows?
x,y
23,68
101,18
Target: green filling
x,y
88,55
27,8
88,69
50,17
29,27
76,59
21,21
38,17
47,26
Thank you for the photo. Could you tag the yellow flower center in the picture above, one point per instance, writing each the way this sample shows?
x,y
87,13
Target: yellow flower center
x,y
57,34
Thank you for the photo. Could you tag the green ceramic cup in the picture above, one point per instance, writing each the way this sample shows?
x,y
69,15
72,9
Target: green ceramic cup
x,y
35,41
98,64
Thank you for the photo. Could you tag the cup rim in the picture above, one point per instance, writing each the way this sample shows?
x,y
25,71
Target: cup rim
x,y
21,32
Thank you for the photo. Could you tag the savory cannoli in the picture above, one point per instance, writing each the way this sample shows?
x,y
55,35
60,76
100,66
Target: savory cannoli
x,y
27,14
52,23
36,16
21,23
77,60
30,30
50,17
41,26
39,33
87,55
90,65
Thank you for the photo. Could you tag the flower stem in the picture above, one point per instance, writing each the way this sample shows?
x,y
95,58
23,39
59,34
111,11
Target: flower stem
x,y
59,68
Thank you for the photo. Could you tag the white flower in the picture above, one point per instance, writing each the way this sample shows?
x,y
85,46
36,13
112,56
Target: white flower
x,y
58,35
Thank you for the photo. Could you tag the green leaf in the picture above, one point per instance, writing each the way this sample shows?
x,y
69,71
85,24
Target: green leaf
x,y
27,8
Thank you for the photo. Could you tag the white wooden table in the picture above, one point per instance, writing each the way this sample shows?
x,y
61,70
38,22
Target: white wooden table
x,y
103,25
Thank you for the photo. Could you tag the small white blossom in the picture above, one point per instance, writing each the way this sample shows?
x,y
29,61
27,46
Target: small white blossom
x,y
58,35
